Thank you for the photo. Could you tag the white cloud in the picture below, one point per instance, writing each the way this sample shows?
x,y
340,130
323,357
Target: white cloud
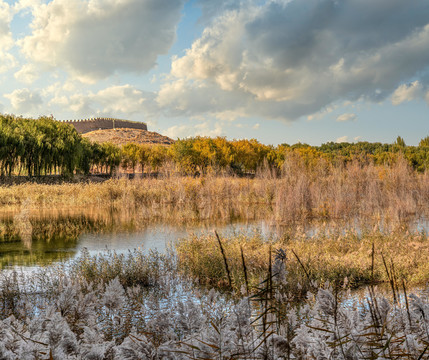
x,y
27,74
407,92
201,129
124,99
25,101
211,9
256,126
357,138
59,88
178,131
7,60
96,38
346,117
25,5
229,115
6,15
320,114
287,59
342,139
115,101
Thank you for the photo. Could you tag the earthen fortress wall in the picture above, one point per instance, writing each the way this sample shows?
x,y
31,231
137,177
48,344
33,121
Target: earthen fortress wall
x,y
87,125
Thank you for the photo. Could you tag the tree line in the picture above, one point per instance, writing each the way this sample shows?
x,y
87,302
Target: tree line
x,y
199,155
43,146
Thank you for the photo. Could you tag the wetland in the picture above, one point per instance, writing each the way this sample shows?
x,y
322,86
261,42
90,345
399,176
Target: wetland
x,y
175,266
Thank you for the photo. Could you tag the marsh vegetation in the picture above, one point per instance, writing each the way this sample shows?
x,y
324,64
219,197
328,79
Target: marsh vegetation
x,y
283,294
299,229
139,306
300,193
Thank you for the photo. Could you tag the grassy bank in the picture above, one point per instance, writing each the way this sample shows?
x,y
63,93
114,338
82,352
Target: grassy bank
x,y
301,193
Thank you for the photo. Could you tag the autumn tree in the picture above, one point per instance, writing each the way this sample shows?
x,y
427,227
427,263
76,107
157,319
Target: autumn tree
x,y
130,155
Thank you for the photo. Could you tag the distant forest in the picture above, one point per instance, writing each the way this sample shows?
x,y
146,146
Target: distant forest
x,y
43,146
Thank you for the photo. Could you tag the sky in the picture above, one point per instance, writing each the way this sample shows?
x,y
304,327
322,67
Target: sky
x,y
279,71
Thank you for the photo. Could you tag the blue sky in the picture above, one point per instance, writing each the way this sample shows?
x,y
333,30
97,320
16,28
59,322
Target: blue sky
x,y
280,71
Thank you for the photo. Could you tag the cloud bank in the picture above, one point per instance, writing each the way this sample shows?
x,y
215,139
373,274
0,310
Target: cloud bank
x,y
97,38
119,101
7,60
286,59
25,101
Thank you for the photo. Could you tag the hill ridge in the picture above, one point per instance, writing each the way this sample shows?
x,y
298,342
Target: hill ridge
x,y
122,136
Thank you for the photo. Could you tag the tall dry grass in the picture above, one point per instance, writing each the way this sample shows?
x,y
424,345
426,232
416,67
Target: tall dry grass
x,y
359,258
301,192
394,192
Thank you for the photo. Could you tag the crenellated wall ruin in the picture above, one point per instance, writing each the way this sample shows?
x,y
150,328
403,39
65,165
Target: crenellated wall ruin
x,y
86,125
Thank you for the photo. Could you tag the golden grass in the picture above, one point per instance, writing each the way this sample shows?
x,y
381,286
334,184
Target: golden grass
x,y
300,194
329,256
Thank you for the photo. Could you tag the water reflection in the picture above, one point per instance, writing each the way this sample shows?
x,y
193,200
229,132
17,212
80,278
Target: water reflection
x,y
24,229
29,237
41,252
158,236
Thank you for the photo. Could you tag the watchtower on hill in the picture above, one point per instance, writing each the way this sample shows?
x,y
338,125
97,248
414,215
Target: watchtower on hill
x,y
87,125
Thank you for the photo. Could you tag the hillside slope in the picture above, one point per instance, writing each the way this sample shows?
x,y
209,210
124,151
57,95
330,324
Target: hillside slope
x,y
124,136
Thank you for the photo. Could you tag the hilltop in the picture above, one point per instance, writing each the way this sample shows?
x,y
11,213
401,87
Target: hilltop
x,y
123,136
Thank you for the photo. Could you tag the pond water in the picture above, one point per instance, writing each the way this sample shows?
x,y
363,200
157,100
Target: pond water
x,y
31,241
43,238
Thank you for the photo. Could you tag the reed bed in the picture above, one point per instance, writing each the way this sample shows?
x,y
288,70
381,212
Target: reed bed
x,y
356,258
298,194
132,269
281,298
63,315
